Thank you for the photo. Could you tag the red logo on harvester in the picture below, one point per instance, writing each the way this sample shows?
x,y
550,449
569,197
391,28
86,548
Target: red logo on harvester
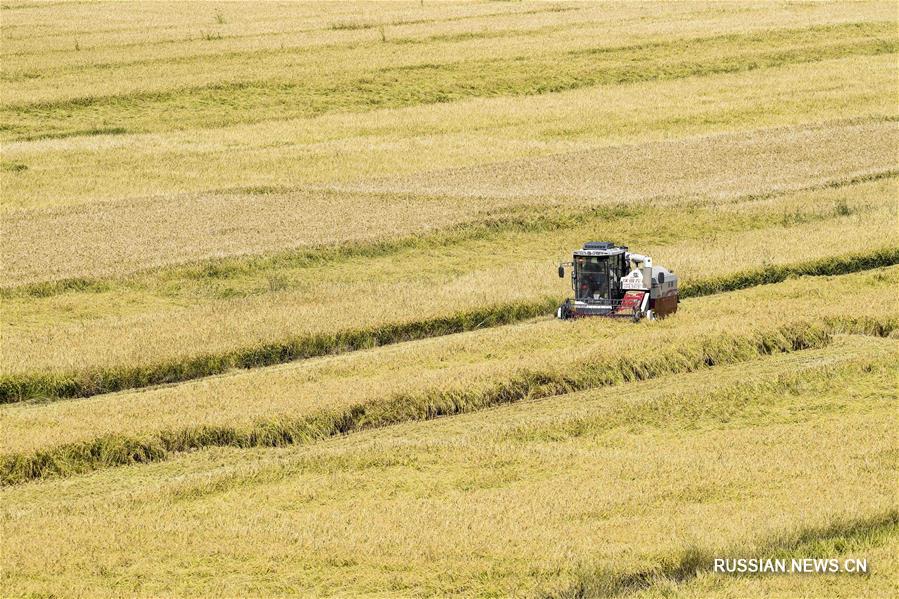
x,y
631,301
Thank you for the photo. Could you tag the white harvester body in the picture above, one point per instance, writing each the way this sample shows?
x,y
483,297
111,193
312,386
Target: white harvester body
x,y
610,281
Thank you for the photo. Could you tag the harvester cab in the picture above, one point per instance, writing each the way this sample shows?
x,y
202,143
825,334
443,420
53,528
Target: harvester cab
x,y
610,281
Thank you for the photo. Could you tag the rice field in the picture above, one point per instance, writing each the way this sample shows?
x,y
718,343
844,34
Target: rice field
x,y
278,284
535,498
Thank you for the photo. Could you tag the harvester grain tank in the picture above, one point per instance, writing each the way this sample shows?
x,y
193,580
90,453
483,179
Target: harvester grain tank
x,y
610,281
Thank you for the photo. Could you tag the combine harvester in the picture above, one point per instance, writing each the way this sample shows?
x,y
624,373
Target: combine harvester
x,y
610,281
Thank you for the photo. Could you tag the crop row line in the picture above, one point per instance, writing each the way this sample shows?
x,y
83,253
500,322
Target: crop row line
x,y
862,28
710,350
433,83
524,220
85,383
254,53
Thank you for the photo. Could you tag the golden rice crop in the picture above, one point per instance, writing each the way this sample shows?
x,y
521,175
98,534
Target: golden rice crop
x,y
170,30
506,364
715,167
121,237
286,210
259,84
580,490
144,325
114,238
337,147
189,62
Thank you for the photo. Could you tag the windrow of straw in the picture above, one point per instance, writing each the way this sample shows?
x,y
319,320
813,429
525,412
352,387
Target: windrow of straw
x,y
213,104
85,384
710,350
24,386
26,254
693,561
837,265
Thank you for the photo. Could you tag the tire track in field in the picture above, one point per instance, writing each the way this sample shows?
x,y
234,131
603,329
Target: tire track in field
x,y
85,383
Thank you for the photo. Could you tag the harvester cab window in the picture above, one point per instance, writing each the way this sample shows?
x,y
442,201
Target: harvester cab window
x,y
592,273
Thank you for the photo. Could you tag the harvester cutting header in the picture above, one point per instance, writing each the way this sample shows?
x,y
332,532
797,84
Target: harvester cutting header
x,y
610,281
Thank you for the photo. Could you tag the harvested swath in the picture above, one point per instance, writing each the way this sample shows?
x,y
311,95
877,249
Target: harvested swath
x,y
84,383
288,90
526,220
608,481
119,449
338,147
143,326
117,238
464,371
717,166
